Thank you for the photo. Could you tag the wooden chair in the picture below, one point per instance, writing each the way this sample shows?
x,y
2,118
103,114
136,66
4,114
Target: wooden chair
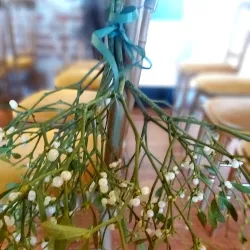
x,y
231,65
21,30
3,64
230,112
74,73
212,85
56,102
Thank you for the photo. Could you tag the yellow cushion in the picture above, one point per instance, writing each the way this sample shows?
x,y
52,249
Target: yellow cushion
x,y
10,173
65,95
197,68
222,84
229,111
22,62
74,75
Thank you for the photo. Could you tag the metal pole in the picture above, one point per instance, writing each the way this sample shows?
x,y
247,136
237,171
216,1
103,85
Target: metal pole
x,y
149,8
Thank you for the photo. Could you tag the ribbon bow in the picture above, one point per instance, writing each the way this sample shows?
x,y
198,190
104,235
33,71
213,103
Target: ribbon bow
x,y
116,28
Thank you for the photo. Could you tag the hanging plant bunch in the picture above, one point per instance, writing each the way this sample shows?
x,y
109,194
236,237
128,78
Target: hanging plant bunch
x,y
71,164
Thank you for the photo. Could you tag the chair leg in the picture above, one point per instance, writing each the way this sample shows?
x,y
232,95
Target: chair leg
x,y
107,240
180,93
194,107
223,139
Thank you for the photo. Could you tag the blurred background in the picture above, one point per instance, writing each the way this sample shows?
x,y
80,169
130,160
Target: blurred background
x,y
39,38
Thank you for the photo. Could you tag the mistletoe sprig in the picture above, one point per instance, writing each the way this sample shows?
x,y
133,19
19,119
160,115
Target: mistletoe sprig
x,y
67,171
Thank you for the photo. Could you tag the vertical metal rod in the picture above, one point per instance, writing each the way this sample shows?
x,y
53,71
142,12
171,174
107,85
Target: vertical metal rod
x,y
149,8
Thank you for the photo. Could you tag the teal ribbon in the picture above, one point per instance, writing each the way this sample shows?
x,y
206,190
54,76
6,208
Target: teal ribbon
x,y
116,28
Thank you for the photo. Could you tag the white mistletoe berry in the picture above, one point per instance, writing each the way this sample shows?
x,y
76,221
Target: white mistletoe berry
x,y
104,202
123,185
145,191
31,195
47,200
103,175
175,168
150,213
196,181
69,150
161,204
50,210
57,182
228,184
135,202
56,144
160,211
66,175
200,196
195,199
182,195
103,182
52,154
33,240
104,189
235,163
13,104
47,179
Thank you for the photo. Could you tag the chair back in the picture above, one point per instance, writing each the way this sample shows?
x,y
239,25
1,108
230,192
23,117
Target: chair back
x,y
240,37
2,43
21,26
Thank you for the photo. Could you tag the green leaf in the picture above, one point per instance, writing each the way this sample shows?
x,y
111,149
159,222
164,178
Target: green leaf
x,y
141,246
209,169
40,201
62,244
158,192
170,223
216,211
16,156
12,185
161,217
241,188
204,178
211,218
202,218
124,228
3,234
230,207
4,150
61,232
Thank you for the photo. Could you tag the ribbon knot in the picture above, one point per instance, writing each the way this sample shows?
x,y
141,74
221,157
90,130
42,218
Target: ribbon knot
x,y
116,28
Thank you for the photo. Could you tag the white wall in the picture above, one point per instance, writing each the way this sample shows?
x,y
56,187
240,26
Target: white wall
x,y
202,35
